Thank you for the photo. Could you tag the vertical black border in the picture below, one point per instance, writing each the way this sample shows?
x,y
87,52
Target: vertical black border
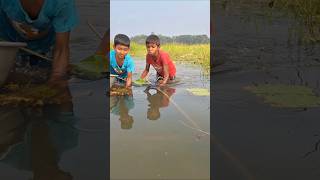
x,y
212,54
108,90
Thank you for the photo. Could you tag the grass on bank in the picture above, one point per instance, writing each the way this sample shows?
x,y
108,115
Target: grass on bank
x,y
307,12
195,54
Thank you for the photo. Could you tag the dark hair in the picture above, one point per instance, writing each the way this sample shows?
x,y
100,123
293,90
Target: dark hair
x,y
153,39
122,40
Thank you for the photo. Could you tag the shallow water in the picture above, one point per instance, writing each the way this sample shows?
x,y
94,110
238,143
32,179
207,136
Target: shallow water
x,y
255,140
67,141
150,137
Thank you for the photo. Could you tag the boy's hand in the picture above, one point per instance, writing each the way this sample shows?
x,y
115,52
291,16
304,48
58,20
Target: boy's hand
x,y
162,83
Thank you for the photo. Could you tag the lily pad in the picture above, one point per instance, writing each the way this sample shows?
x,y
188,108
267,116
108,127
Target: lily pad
x,y
199,91
91,68
286,96
140,82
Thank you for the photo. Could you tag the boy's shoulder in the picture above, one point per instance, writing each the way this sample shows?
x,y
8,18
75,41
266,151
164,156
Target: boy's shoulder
x,y
129,58
163,53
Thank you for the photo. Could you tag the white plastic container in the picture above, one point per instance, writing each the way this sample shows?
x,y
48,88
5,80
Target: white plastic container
x,y
8,52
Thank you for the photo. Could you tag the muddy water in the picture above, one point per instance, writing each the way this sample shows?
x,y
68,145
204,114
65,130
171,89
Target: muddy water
x,y
68,141
151,136
257,141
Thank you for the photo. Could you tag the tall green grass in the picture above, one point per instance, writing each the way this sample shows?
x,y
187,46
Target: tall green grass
x,y
195,54
307,11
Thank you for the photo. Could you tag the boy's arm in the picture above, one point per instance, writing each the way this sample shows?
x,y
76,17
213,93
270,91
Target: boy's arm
x,y
60,58
145,71
166,74
129,80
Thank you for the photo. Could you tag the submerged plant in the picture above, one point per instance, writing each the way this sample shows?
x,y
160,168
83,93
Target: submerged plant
x,y
120,91
28,95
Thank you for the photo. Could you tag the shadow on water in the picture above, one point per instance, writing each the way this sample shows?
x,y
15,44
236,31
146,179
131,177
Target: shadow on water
x,y
269,142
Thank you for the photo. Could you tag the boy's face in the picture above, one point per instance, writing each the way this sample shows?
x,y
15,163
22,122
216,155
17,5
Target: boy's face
x,y
152,48
121,50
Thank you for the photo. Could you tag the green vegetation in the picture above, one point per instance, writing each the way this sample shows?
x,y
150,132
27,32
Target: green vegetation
x,y
140,82
28,95
199,91
286,96
305,12
91,68
182,39
195,54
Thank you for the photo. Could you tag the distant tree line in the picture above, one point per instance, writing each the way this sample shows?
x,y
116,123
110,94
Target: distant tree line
x,y
183,39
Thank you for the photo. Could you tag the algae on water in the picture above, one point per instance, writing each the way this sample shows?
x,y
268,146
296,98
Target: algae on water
x,y
28,95
199,91
120,91
286,96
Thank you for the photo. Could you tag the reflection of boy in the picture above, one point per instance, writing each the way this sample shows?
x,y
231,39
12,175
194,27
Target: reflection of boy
x,y
121,63
159,100
45,139
160,60
121,105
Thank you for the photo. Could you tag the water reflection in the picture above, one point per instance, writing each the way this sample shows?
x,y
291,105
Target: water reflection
x,y
120,106
34,140
160,99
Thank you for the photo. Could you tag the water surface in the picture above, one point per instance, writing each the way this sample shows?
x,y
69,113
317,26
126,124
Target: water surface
x,y
151,136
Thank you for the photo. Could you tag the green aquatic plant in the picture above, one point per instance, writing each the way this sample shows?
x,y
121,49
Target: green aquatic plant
x,y
140,82
28,95
199,91
286,96
91,68
120,91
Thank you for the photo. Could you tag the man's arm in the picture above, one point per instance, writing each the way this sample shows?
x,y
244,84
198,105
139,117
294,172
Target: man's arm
x,y
60,57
